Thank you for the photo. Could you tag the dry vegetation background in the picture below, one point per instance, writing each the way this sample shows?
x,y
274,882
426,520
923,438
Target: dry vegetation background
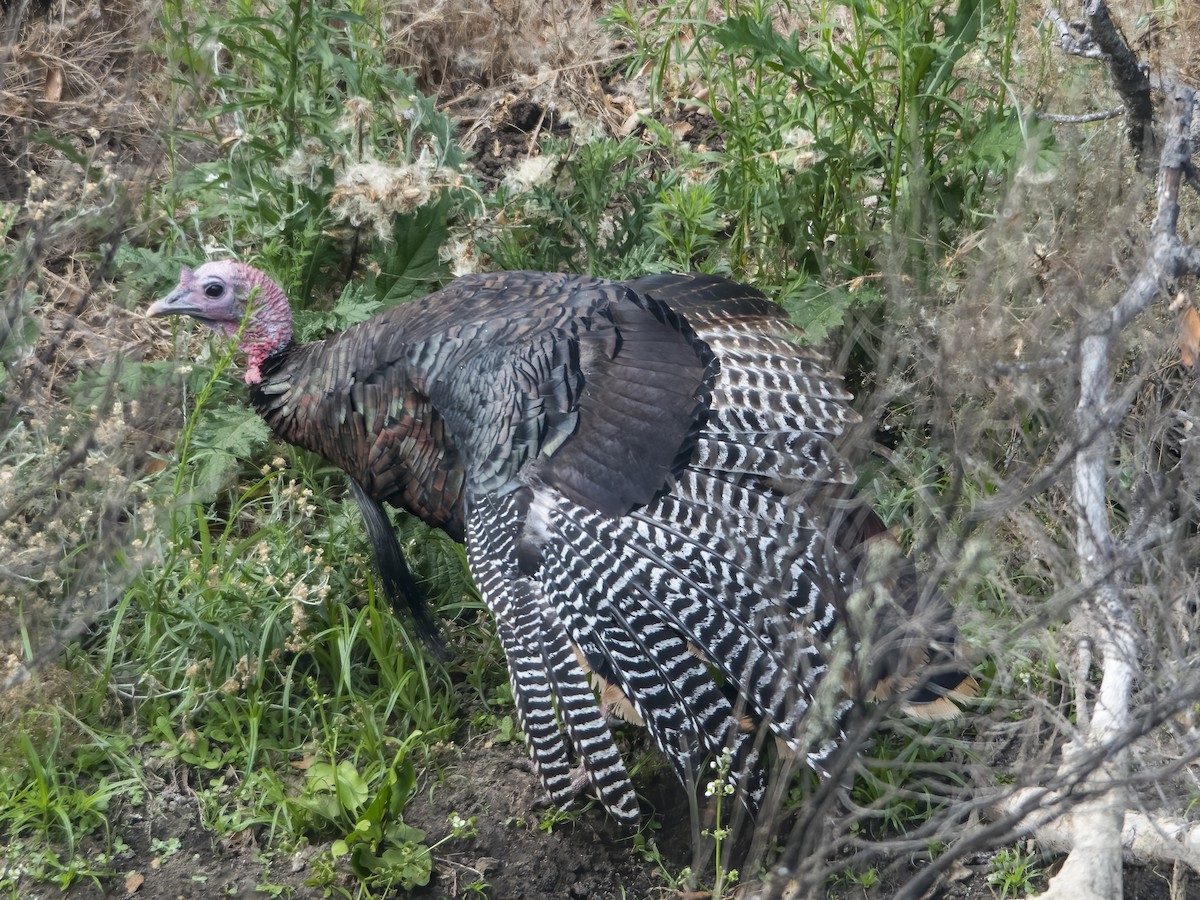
x,y
969,397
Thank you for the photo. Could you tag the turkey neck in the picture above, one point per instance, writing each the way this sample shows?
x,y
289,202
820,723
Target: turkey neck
x,y
311,396
297,397
270,325
302,398
271,397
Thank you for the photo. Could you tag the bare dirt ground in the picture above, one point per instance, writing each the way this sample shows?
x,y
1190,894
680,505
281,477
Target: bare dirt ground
x,y
94,50
588,859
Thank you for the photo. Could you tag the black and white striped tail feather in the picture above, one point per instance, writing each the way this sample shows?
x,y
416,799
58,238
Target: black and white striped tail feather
x,y
764,349
605,599
795,397
762,505
737,611
764,665
534,705
598,593
721,595
762,454
742,502
548,684
795,569
518,628
800,458
585,723
731,419
764,371
689,570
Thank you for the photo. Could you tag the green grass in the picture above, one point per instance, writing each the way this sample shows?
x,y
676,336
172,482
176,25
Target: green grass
x,y
61,780
261,652
1014,872
906,779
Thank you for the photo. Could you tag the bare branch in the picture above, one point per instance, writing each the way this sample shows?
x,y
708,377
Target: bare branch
x,y
1099,828
1082,118
1145,837
1097,38
1073,38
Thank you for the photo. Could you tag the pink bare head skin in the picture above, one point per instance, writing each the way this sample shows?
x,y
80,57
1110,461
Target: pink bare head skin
x,y
216,294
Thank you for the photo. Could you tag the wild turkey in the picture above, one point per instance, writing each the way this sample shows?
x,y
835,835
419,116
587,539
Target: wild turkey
x,y
644,477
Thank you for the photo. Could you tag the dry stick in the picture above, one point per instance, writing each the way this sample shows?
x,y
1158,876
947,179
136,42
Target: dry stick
x,y
1093,867
1098,38
1145,837
1082,118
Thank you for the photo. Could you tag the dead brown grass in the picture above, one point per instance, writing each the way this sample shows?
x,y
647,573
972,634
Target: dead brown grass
x,y
460,46
81,75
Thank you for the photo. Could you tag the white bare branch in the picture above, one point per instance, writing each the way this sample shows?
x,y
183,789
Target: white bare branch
x,y
1099,831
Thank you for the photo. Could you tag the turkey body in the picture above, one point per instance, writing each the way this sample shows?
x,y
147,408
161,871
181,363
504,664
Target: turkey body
x,y
645,478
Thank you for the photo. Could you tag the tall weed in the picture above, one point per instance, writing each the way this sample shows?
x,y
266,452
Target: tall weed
x,y
312,150
869,132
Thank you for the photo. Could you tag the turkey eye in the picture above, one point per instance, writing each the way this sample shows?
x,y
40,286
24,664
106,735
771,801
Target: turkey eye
x,y
213,290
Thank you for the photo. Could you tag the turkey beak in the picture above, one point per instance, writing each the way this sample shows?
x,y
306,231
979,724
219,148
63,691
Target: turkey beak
x,y
175,303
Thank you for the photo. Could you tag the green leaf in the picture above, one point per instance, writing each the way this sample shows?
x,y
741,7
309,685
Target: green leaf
x,y
961,33
507,732
366,831
321,776
400,833
326,806
236,430
213,470
412,863
351,788
352,307
409,865
119,377
763,43
405,786
410,264
817,310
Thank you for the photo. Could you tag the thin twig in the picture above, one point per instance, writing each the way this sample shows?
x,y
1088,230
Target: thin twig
x,y
1097,38
1082,118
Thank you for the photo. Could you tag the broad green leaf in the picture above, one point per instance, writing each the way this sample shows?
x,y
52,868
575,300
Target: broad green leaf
x,y
235,429
351,788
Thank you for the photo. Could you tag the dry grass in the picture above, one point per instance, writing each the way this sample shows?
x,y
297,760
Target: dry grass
x,y
459,46
79,130
84,75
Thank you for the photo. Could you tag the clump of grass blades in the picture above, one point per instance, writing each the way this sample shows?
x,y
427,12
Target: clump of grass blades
x,y
60,781
868,131
249,646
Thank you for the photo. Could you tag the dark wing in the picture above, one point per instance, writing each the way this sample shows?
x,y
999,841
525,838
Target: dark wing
x,y
576,391
573,382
